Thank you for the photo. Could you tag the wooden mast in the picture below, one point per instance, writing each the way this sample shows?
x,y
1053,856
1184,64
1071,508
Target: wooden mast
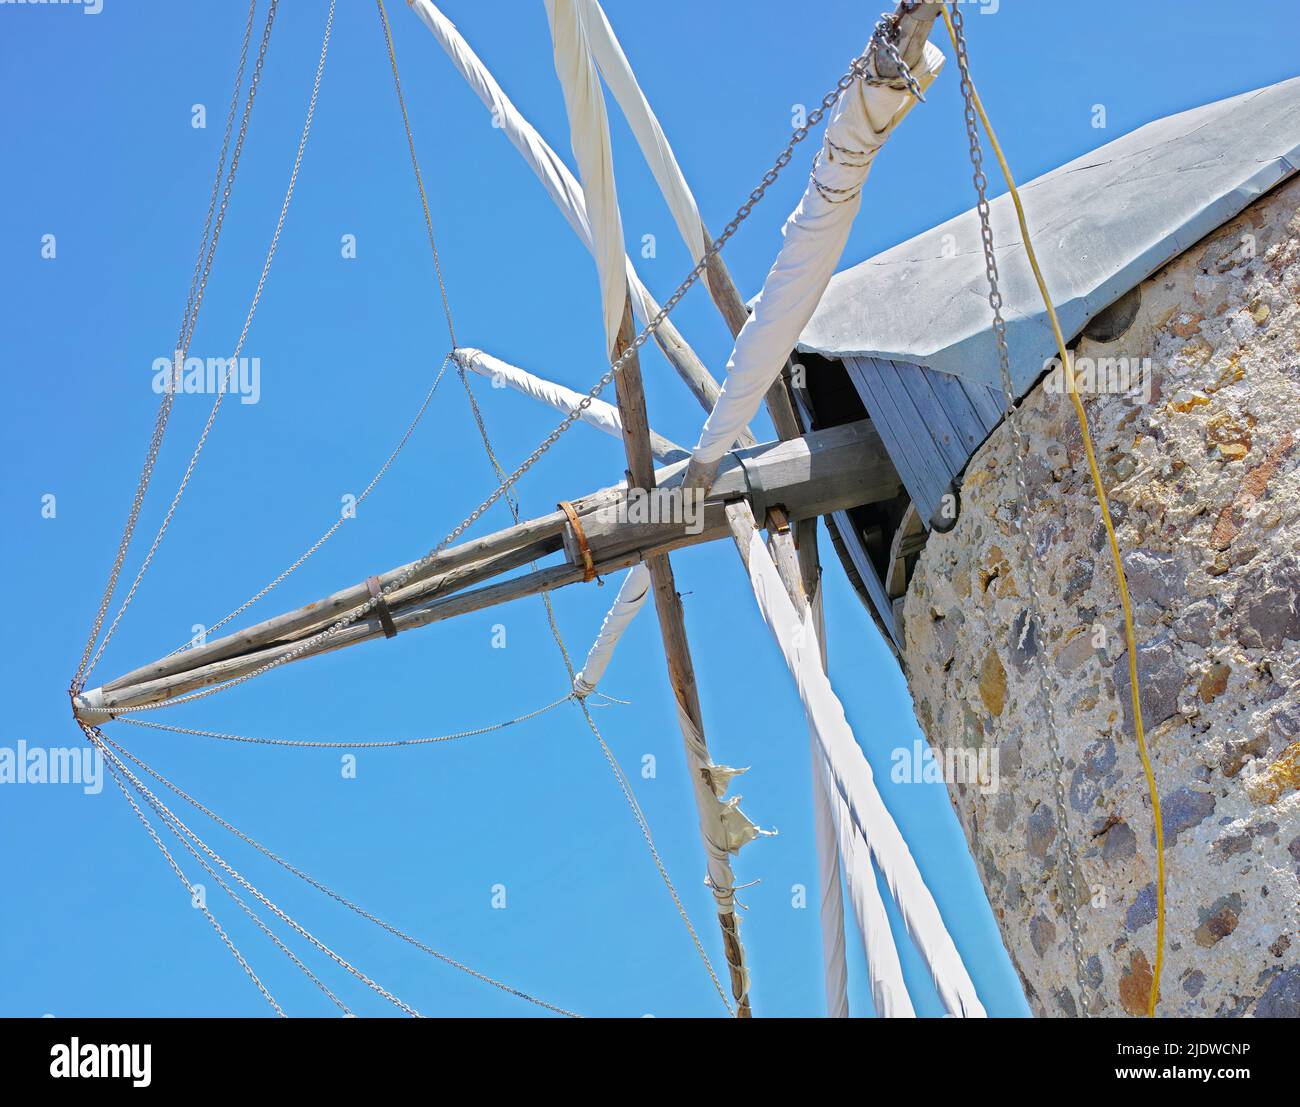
x,y
681,669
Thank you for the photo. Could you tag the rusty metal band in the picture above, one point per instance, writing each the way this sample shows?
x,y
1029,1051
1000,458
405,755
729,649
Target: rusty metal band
x,y
588,565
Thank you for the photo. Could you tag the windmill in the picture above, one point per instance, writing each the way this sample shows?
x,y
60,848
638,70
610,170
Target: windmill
x,y
766,498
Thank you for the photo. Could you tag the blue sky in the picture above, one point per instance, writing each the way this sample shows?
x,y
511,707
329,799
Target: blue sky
x,y
100,153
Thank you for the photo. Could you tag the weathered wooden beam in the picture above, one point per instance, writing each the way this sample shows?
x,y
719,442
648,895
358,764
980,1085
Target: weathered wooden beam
x,y
806,476
681,669
539,536
833,469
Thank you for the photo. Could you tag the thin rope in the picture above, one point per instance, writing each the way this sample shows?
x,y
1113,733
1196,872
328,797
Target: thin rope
x,y
1116,556
415,164
225,938
167,813
239,345
377,744
325,890
193,303
329,533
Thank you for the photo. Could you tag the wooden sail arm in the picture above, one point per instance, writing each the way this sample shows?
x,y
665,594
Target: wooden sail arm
x,y
828,470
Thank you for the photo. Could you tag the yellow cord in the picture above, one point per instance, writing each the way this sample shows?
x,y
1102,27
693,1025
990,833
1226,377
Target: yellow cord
x,y
1102,502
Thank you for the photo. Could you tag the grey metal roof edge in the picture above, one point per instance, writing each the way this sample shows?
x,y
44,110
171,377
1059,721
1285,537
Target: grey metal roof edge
x,y
1039,344
972,355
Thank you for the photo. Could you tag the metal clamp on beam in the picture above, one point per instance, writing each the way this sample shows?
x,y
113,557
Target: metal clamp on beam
x,y
579,538
757,495
381,607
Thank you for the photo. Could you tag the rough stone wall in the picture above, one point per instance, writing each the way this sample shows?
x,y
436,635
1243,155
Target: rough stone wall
x,y
1204,485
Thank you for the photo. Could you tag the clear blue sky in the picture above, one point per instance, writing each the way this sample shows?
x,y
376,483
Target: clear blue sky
x,y
100,152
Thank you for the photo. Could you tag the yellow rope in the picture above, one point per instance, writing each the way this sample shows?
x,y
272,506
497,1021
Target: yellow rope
x,y
1102,502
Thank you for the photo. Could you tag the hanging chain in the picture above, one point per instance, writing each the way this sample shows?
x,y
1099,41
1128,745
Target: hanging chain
x,y
239,344
327,891
1034,627
180,875
859,69
208,245
239,902
167,814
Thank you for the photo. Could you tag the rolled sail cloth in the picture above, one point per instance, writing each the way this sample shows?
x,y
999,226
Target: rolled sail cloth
x,y
631,598
863,810
554,175
815,233
598,413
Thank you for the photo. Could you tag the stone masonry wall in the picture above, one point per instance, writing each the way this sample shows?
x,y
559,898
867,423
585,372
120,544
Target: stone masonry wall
x,y
1204,484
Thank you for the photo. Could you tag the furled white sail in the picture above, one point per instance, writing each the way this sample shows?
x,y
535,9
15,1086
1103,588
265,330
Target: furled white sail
x,y
589,136
630,599
815,233
852,779
617,71
884,970
599,414
723,826
830,896
554,175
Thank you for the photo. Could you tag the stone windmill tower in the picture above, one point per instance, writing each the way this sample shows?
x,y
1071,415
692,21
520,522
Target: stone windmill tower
x,y
1175,257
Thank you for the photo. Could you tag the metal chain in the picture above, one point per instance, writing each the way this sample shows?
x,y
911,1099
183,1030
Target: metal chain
x,y
378,744
162,809
225,938
202,265
333,529
327,891
257,919
193,303
239,345
1069,862
858,69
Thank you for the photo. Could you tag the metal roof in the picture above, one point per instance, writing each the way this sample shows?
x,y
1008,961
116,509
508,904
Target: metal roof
x,y
1101,223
